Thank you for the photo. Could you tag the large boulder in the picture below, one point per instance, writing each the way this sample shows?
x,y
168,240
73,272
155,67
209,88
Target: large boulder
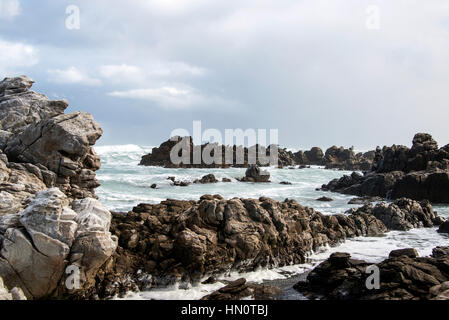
x,y
49,235
255,174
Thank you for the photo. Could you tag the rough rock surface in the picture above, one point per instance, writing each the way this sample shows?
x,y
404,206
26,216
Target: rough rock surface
x,y
238,156
50,234
209,178
255,174
240,289
418,173
14,294
189,240
46,162
402,277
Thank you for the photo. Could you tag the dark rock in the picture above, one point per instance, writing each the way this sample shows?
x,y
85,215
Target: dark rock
x,y
325,199
403,276
226,180
153,186
240,289
285,182
255,174
364,200
409,252
444,227
209,178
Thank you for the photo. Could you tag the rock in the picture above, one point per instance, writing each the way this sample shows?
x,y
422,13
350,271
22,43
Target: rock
x,y
255,174
153,186
402,214
240,289
403,276
419,173
221,156
444,227
63,144
364,200
409,252
225,180
209,178
49,235
14,294
324,199
285,183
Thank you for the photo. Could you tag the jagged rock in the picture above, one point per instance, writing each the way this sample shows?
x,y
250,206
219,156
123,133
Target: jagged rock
x,y
209,178
402,277
255,174
402,214
421,172
409,252
240,289
39,244
221,156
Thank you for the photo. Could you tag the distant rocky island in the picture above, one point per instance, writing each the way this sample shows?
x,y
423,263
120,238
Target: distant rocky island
x,y
334,157
51,221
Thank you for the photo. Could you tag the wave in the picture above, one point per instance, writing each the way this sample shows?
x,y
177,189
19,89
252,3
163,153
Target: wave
x,y
122,148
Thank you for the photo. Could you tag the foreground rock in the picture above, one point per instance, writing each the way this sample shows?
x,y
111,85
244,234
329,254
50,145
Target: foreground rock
x,y
403,276
240,289
48,236
50,223
418,173
188,240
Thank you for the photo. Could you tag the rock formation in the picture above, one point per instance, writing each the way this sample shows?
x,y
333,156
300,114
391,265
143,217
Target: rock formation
x,y
255,174
240,289
189,240
418,173
403,276
49,219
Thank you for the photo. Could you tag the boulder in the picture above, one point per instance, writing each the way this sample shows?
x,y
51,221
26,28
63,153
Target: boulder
x,y
241,289
255,174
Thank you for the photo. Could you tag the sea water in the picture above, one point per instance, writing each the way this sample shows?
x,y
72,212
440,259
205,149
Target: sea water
x,y
125,184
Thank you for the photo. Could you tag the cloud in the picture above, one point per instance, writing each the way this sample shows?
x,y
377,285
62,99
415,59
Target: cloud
x,y
176,69
72,75
121,73
9,9
16,55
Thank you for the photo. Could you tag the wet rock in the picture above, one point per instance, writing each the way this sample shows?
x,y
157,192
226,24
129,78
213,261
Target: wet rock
x,y
240,289
364,200
444,227
409,252
153,186
255,174
225,180
209,178
285,183
324,199
403,276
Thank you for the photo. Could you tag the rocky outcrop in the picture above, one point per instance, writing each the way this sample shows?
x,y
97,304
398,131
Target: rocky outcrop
x,y
417,173
39,139
255,174
51,234
241,289
444,227
186,241
50,222
403,214
403,276
220,156
209,178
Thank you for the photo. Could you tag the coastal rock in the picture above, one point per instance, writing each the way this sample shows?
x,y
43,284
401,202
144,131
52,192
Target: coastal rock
x,y
444,227
325,199
402,277
402,214
209,178
241,289
419,173
364,200
38,245
255,174
188,240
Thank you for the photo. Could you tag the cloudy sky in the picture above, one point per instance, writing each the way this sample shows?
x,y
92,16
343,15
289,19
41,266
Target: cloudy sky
x,y
323,72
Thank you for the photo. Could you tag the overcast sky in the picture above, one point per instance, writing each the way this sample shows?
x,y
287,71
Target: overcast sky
x,y
360,73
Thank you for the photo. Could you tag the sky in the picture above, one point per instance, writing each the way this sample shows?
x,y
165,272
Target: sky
x,y
322,72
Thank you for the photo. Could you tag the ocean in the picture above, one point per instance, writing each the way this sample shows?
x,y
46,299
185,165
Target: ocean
x,y
125,184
